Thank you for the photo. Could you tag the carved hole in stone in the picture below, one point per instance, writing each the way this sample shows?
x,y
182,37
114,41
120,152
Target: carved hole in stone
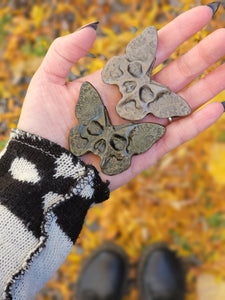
x,y
95,128
116,72
146,93
158,102
135,69
100,146
130,106
130,86
118,142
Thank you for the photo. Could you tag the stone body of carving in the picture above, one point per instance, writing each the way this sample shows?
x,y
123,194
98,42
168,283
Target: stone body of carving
x,y
140,94
114,144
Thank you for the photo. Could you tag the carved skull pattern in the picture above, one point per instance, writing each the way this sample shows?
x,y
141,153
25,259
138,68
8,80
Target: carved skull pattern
x,y
115,145
140,94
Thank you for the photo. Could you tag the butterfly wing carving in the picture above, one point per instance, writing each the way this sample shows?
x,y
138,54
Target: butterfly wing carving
x,y
127,140
167,103
140,94
138,60
92,119
152,98
115,145
141,50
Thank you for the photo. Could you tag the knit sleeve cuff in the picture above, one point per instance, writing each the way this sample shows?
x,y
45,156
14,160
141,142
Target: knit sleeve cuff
x,y
48,156
45,193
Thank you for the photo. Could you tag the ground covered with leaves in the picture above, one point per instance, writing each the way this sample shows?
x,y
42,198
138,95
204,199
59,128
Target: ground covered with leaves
x,y
180,199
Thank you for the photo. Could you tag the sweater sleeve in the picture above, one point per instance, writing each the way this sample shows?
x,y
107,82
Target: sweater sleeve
x,y
45,193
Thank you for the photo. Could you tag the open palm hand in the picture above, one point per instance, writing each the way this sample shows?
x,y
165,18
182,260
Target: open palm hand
x,y
49,106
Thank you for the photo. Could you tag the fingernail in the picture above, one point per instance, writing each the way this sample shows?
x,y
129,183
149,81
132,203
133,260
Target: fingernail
x,y
223,103
93,25
214,6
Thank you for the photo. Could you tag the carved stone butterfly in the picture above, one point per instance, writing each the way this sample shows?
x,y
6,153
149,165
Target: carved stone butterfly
x,y
115,144
141,94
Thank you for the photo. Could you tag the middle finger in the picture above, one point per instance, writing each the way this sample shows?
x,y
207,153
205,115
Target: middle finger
x,y
188,67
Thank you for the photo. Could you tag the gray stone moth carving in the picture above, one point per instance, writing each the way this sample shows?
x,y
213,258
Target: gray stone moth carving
x,y
140,94
114,144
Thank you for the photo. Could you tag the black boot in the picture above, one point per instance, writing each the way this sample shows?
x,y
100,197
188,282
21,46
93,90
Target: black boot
x,y
104,274
160,274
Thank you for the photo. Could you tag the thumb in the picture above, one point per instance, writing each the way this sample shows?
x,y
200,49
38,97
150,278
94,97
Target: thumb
x,y
65,51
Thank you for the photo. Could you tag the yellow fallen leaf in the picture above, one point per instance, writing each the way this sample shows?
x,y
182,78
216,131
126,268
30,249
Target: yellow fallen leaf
x,y
37,14
216,162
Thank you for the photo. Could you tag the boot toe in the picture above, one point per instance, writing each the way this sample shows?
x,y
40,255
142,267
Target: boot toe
x,y
104,275
161,275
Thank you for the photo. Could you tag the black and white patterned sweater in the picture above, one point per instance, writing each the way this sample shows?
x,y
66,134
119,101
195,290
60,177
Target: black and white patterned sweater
x,y
45,193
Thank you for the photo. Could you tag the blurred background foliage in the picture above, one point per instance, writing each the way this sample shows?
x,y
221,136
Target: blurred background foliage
x,y
180,200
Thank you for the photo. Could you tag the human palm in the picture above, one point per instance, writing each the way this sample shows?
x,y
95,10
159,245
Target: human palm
x,y
49,106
